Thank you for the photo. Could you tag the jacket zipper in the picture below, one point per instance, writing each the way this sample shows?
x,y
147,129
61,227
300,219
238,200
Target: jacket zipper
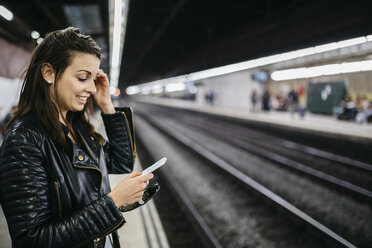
x,y
93,168
134,134
96,241
56,186
131,140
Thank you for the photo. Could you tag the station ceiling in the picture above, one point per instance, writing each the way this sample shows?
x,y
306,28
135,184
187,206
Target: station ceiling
x,y
173,37
45,16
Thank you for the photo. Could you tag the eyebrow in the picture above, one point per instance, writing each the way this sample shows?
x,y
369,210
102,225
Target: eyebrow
x,y
85,71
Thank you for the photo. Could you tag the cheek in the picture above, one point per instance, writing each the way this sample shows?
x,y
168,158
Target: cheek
x,y
66,92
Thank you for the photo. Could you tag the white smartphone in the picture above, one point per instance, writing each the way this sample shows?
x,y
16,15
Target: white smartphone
x,y
155,166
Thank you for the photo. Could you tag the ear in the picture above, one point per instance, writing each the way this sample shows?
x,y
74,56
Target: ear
x,y
48,73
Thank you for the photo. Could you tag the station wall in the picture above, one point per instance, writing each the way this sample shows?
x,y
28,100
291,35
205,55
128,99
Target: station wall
x,y
14,60
13,63
231,90
9,88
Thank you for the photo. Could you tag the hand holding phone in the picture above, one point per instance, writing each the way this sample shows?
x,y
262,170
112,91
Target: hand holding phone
x,y
150,169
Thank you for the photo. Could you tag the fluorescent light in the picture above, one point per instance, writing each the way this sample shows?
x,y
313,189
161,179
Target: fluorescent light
x,y
331,69
7,14
326,47
116,33
175,87
145,90
157,88
323,70
352,42
366,65
132,90
35,35
349,67
116,43
305,52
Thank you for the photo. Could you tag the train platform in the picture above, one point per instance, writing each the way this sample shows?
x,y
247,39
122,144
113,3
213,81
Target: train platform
x,y
328,125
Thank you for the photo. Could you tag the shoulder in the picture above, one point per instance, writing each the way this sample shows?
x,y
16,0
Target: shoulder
x,y
25,130
23,145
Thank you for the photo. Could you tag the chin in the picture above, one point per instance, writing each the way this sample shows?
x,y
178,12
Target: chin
x,y
78,109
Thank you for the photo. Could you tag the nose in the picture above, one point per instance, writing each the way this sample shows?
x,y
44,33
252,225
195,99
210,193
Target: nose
x,y
91,87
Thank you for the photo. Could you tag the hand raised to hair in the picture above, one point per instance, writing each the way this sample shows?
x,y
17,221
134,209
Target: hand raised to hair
x,y
102,95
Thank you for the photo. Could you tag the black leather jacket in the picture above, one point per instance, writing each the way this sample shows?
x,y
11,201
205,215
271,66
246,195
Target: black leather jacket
x,y
51,199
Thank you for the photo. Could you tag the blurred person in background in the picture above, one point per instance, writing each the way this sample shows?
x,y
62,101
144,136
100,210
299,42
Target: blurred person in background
x,y
302,101
349,109
254,100
292,99
54,166
364,107
266,101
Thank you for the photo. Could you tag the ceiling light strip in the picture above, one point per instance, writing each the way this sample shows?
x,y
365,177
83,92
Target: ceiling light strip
x,y
218,71
323,70
116,44
7,14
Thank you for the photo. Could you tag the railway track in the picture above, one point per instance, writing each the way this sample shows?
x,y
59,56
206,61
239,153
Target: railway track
x,y
348,175
176,126
353,177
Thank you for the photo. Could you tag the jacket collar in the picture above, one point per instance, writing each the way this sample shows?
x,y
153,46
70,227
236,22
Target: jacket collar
x,y
79,157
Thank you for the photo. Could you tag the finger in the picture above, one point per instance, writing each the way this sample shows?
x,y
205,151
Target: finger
x,y
101,77
139,188
101,73
140,194
143,186
135,173
147,177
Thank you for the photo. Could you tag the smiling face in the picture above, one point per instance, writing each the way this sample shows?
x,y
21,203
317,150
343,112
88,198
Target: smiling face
x,y
77,83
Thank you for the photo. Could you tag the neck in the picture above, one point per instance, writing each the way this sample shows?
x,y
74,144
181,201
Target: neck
x,y
62,118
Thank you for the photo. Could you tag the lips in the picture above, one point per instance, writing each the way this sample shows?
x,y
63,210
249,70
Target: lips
x,y
83,99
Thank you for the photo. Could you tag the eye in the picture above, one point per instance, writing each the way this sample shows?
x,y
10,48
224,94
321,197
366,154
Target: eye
x,y
82,79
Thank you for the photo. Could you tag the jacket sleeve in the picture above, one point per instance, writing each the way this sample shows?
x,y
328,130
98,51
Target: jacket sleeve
x,y
26,201
120,150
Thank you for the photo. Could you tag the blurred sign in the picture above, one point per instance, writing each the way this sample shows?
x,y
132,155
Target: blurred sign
x,y
260,76
323,97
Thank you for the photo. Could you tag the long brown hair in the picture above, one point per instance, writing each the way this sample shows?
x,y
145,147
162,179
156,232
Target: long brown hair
x,y
57,49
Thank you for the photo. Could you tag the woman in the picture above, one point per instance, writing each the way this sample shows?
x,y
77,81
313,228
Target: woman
x,y
54,187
